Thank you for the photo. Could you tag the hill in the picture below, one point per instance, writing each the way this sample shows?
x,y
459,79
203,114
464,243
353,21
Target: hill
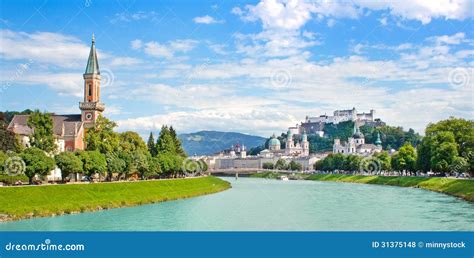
x,y
210,142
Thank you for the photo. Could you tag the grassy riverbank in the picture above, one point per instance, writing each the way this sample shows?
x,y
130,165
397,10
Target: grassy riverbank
x,y
48,200
456,187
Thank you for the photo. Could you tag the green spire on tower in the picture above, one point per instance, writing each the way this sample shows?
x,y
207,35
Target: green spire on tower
x,y
378,142
92,63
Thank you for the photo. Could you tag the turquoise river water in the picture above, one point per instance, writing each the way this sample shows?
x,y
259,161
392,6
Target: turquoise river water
x,y
263,204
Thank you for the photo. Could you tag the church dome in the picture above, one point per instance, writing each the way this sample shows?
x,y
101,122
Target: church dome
x,y
358,135
274,141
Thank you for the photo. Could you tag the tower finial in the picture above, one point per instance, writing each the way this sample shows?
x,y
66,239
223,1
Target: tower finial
x,y
93,38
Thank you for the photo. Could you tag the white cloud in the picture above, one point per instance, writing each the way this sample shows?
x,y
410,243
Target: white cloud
x,y
206,20
165,50
136,44
137,16
125,61
293,14
62,83
255,122
43,48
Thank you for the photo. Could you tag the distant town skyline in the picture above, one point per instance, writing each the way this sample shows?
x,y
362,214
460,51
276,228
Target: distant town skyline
x,y
251,67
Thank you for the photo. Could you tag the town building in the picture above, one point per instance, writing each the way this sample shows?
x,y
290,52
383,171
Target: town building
x,y
69,130
356,144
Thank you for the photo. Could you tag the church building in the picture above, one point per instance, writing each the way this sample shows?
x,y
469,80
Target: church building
x,y
69,130
356,144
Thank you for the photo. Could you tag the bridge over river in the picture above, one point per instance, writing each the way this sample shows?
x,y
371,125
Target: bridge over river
x,y
246,171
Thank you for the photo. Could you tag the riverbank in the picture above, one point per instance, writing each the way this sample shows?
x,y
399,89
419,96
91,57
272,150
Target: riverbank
x,y
51,200
461,188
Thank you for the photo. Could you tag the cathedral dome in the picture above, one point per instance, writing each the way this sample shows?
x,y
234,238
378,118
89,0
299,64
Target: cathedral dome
x,y
274,141
358,135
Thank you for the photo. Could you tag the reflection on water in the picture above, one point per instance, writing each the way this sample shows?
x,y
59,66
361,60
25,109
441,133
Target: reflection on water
x,y
261,204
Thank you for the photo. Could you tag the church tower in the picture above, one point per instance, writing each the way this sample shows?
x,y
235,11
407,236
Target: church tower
x,y
305,144
91,108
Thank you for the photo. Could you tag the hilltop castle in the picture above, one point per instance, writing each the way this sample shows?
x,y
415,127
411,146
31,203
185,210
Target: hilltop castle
x,y
69,130
315,125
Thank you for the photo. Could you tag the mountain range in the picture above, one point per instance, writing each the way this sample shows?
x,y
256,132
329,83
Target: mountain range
x,y
210,142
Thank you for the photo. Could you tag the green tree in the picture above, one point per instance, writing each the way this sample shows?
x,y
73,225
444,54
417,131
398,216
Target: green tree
x,y
295,166
177,143
383,158
151,145
43,131
69,163
36,162
93,162
338,161
267,165
165,142
132,142
102,137
459,165
444,151
352,163
3,159
281,165
171,164
8,139
154,168
140,160
203,165
115,165
405,159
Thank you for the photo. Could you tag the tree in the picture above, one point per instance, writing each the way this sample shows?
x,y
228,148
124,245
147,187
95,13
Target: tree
x,y
36,163
69,163
115,165
267,165
102,137
405,159
153,166
444,152
93,162
177,143
132,142
151,145
438,152
352,163
459,165
140,160
8,139
3,159
170,164
43,131
295,166
203,165
338,161
129,164
423,150
383,159
281,164
165,142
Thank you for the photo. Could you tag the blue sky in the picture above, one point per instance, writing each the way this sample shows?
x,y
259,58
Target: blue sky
x,y
249,66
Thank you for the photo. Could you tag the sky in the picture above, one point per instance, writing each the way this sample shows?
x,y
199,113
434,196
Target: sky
x,y
255,67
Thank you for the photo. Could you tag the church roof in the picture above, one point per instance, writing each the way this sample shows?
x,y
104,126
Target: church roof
x,y
92,63
70,124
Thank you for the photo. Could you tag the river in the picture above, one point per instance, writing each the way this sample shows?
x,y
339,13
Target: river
x,y
264,204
